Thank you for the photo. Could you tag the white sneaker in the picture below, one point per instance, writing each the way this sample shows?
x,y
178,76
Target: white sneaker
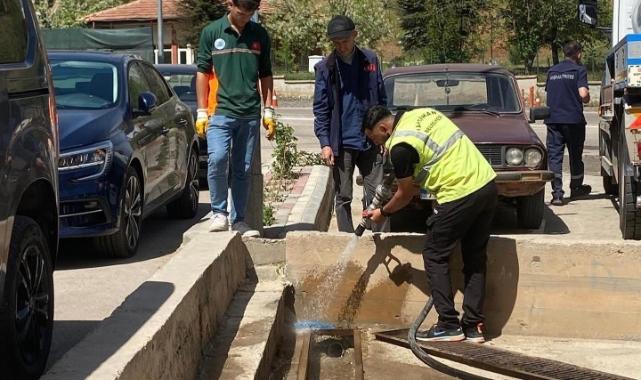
x,y
218,223
244,229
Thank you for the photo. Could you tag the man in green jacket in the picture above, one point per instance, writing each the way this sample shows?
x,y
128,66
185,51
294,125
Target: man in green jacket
x,y
429,152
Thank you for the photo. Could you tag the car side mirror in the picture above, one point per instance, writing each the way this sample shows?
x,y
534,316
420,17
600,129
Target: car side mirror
x,y
539,113
147,102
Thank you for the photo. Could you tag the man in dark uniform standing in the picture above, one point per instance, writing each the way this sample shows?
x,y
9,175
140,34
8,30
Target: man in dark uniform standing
x,y
567,91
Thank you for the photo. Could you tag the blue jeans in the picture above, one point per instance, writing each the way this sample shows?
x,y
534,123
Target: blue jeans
x,y
238,137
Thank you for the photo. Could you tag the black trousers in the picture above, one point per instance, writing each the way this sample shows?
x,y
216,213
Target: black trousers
x,y
560,135
370,165
469,220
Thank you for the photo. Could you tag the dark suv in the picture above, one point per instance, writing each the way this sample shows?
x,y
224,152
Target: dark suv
x,y
28,194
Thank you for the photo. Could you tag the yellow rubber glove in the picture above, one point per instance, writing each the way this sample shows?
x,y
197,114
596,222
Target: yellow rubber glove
x,y
202,122
269,123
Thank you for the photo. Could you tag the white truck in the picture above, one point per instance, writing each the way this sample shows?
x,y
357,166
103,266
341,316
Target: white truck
x,y
620,112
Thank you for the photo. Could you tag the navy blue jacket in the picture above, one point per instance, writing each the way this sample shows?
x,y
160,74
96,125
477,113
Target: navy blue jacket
x,y
327,102
562,85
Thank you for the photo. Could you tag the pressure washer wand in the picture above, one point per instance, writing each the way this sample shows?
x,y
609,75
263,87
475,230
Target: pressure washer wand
x,y
381,196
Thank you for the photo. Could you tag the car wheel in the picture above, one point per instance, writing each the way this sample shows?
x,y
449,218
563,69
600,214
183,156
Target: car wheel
x,y
26,312
629,215
186,206
529,210
124,243
610,187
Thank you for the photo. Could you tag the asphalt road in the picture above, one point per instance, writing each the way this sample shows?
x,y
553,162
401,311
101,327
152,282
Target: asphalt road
x,y
301,118
88,287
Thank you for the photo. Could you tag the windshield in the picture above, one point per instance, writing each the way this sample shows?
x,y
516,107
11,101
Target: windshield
x,y
184,85
453,92
84,84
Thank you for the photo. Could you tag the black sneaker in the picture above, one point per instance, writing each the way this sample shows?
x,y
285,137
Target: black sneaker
x,y
580,191
439,334
475,333
557,200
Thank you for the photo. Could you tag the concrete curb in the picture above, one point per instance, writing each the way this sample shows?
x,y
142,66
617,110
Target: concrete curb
x,y
160,329
313,208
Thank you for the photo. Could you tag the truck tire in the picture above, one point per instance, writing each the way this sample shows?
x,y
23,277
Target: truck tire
x,y
610,187
629,215
26,312
529,210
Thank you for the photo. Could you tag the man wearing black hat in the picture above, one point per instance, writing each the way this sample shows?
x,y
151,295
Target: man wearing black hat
x,y
348,82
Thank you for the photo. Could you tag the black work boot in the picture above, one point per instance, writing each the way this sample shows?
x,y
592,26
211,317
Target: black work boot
x,y
580,191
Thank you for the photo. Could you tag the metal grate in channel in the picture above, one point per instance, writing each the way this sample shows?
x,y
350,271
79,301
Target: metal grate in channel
x,y
500,361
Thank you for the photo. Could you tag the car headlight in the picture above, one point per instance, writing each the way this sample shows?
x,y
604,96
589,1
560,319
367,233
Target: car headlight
x,y
90,162
533,157
514,156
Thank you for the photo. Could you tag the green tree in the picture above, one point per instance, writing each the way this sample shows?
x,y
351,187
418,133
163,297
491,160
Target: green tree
x,y
298,27
374,19
68,13
441,31
533,24
524,20
198,13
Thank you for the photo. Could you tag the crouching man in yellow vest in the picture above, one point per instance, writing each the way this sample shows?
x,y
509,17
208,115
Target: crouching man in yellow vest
x,y
429,152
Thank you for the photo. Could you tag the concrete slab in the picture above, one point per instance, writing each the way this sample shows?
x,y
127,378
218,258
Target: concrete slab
x,y
611,356
535,285
246,344
160,329
615,357
265,251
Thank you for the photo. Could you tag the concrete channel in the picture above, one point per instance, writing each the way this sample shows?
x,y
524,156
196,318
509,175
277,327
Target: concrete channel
x,y
228,308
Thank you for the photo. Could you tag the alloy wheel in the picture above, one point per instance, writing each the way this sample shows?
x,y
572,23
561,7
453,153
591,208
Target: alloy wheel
x,y
32,303
193,180
132,211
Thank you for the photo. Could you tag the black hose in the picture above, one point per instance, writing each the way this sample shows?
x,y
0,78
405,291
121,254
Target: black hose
x,y
425,357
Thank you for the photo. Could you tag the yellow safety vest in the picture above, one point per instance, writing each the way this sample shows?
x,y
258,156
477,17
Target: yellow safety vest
x,y
450,166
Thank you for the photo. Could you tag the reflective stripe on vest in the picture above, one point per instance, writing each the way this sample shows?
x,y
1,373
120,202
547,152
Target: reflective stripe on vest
x,y
438,151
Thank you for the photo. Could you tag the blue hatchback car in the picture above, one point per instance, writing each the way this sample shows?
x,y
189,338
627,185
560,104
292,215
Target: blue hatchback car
x,y
127,147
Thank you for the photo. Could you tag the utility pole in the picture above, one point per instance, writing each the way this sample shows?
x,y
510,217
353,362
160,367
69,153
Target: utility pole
x,y
160,46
